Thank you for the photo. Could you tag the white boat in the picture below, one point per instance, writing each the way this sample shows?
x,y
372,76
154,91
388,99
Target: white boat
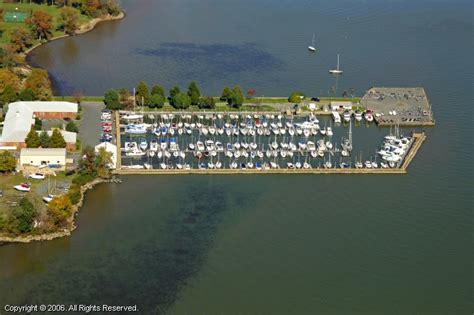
x,y
337,70
311,146
311,47
191,146
358,115
329,131
136,129
329,145
48,198
143,145
164,144
347,116
135,152
132,116
336,117
23,187
37,176
153,145
368,115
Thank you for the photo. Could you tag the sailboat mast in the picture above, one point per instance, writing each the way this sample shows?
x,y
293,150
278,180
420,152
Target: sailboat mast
x,y
337,61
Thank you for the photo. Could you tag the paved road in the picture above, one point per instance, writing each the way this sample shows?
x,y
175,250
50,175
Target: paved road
x,y
89,130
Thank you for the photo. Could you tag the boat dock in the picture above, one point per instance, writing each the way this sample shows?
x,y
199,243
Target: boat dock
x,y
418,139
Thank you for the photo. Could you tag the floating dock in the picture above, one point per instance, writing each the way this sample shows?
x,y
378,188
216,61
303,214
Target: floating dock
x,y
418,139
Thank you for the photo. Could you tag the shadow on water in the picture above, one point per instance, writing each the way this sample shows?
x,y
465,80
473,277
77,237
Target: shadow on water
x,y
217,59
151,272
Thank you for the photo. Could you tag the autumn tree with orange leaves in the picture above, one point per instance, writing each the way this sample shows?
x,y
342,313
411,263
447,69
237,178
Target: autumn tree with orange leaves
x,y
41,25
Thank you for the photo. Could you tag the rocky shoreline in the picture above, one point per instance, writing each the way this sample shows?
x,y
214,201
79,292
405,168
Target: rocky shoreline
x,y
62,233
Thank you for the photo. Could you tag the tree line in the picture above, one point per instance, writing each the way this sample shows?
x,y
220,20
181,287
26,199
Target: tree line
x,y
156,97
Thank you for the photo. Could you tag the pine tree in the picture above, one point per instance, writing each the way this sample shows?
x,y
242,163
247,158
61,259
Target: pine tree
x,y
142,96
57,140
32,139
44,139
194,93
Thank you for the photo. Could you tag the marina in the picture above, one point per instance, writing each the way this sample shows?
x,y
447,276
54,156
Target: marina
x,y
237,143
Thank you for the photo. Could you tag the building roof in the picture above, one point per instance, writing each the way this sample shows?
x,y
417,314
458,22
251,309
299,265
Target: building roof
x,y
109,147
43,152
69,137
19,117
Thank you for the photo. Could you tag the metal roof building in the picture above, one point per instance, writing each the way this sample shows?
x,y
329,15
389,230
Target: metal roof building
x,y
21,115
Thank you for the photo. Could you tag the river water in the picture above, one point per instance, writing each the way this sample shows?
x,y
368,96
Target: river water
x,y
273,244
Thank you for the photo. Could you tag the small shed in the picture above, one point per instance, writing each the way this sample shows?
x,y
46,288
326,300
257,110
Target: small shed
x,y
341,105
53,158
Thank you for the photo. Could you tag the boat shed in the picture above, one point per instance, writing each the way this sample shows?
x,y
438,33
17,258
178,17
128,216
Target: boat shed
x,y
53,158
341,105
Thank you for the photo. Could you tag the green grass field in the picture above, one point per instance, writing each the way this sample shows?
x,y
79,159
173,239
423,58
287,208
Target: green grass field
x,y
26,8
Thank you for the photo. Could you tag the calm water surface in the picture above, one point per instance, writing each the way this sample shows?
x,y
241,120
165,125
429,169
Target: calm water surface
x,y
271,244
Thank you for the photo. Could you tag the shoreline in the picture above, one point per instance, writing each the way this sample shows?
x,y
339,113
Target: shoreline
x,y
62,233
84,28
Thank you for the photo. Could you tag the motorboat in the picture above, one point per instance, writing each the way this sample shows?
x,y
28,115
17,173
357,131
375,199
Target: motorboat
x,y
358,115
368,115
37,176
24,187
347,116
153,145
143,145
336,117
48,198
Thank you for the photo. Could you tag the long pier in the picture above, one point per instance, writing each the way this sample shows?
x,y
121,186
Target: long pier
x,y
418,139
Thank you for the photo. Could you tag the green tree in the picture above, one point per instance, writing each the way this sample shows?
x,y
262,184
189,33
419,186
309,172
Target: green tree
x,y
71,127
57,140
226,94
38,123
32,139
181,101
44,139
7,162
207,102
175,90
68,20
103,160
112,100
27,95
8,95
158,90
87,164
142,96
60,209
24,216
194,93
237,97
295,97
157,101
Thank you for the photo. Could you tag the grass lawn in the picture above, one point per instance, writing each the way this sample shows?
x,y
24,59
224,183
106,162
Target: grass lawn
x,y
50,9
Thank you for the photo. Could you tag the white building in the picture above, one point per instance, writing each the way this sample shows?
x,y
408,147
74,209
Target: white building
x,y
21,115
111,148
344,105
55,158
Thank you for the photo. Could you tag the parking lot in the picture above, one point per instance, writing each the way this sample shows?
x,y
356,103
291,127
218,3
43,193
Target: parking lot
x,y
406,106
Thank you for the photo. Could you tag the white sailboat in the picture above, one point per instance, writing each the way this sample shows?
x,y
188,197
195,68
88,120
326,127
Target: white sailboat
x,y
337,70
311,47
